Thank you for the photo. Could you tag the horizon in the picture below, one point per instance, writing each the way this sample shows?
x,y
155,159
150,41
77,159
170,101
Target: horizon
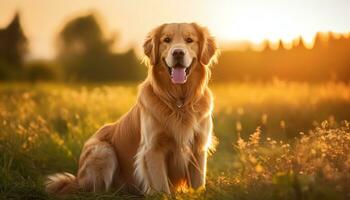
x,y
251,22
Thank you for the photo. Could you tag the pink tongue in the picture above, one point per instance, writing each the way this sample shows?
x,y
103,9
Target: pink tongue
x,y
178,75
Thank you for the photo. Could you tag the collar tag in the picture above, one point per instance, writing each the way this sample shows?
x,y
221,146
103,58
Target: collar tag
x,y
179,103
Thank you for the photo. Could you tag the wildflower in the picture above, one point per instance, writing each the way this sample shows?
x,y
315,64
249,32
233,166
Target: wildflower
x,y
238,126
241,143
255,137
259,168
313,151
264,119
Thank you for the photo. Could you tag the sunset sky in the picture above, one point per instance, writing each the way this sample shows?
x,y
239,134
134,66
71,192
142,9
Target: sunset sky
x,y
228,20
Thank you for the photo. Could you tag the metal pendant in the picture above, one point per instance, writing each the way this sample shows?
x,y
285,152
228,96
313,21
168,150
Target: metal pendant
x,y
179,103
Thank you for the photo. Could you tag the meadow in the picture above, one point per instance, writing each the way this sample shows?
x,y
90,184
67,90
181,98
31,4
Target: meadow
x,y
276,140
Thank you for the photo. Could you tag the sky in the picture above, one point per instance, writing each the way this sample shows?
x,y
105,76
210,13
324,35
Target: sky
x,y
228,20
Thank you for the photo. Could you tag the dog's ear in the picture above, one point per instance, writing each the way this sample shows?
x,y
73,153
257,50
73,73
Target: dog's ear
x,y
151,45
207,45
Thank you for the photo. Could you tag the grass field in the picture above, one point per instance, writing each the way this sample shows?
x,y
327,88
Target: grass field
x,y
274,142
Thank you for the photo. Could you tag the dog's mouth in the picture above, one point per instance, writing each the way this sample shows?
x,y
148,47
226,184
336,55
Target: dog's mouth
x,y
179,73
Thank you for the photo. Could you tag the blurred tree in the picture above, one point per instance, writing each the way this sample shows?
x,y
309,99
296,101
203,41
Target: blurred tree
x,y
267,45
86,54
299,43
320,41
80,36
13,48
280,45
13,42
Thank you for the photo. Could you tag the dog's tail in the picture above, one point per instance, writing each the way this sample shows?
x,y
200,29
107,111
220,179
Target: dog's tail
x,y
61,184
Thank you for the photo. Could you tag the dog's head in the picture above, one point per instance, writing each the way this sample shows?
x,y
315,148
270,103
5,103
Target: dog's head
x,y
179,48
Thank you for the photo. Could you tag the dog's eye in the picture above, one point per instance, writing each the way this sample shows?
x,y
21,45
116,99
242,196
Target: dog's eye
x,y
167,40
189,40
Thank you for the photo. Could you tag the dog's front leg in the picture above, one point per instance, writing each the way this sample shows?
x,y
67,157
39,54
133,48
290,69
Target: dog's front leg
x,y
151,169
197,169
198,166
157,174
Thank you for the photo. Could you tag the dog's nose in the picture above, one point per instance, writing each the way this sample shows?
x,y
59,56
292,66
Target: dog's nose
x,y
178,53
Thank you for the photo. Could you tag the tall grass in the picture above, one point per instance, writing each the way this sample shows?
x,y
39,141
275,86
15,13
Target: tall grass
x,y
43,127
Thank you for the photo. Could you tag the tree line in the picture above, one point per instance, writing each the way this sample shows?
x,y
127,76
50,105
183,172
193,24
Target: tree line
x,y
84,54
328,59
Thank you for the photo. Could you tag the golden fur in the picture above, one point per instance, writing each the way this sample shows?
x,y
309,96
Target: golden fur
x,y
158,146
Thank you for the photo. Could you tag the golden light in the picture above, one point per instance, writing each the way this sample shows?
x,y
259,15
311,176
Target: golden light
x,y
229,20
256,21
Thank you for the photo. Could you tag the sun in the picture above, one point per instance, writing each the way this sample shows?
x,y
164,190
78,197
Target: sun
x,y
256,22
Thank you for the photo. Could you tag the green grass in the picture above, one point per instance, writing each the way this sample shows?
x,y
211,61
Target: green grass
x,y
43,127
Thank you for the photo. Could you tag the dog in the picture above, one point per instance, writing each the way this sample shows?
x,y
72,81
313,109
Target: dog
x,y
161,144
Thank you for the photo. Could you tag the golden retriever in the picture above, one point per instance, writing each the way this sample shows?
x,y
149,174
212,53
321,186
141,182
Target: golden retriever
x,y
161,144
